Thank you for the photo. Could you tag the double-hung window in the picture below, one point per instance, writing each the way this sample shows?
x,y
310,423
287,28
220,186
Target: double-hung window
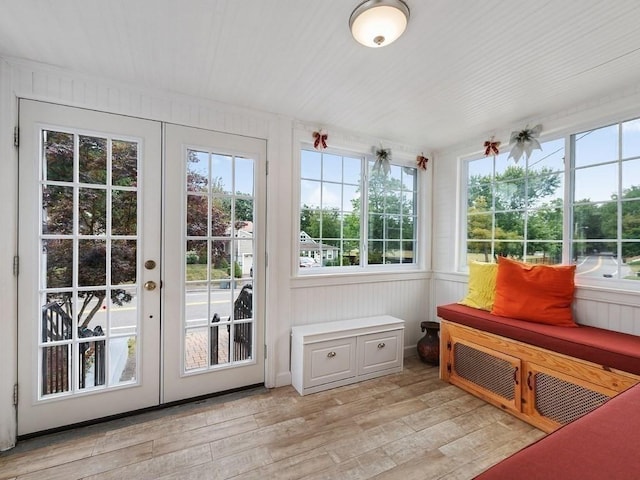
x,y
575,201
353,215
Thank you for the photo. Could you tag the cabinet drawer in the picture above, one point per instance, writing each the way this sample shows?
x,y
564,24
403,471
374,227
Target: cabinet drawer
x,y
380,351
329,361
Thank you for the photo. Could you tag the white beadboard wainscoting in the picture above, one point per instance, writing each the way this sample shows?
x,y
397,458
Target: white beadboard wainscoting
x,y
407,299
612,310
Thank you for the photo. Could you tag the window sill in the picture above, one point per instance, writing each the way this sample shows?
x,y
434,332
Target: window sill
x,y
350,278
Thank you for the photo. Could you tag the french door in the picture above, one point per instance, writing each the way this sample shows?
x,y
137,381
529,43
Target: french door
x,y
89,220
214,246
124,304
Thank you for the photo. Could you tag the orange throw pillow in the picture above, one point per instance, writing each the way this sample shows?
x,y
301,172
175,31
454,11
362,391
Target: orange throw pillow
x,y
535,293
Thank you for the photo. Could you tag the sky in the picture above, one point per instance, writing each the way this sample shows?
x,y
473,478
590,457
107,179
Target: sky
x,y
596,183
221,169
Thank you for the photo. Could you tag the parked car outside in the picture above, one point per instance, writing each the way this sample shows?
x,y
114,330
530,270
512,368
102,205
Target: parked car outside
x,y
308,262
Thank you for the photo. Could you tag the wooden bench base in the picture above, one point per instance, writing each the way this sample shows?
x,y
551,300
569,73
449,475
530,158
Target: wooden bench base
x,y
539,386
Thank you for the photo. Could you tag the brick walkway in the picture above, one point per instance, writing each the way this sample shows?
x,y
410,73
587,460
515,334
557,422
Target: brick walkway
x,y
196,348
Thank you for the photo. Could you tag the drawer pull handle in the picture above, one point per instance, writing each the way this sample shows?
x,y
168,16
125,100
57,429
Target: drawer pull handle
x,y
381,345
331,354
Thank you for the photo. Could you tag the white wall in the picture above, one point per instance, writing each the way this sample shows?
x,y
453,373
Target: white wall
x,y
614,310
8,248
289,301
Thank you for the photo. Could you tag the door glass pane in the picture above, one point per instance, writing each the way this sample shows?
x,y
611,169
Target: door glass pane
x,y
57,162
123,356
124,167
123,262
89,314
90,307
218,307
222,172
92,258
242,341
57,260
57,210
122,312
197,171
221,216
197,215
244,176
244,214
197,305
93,160
92,211
220,342
92,364
195,353
57,324
221,261
196,260
55,362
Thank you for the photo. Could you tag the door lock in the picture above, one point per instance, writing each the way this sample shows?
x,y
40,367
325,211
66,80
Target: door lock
x,y
150,264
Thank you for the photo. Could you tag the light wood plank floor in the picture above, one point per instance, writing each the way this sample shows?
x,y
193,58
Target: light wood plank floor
x,y
404,426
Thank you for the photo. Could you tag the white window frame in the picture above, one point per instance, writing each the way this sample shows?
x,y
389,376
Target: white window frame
x,y
569,171
303,140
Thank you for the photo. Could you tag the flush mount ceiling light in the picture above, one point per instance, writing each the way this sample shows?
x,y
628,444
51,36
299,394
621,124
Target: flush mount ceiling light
x,y
377,23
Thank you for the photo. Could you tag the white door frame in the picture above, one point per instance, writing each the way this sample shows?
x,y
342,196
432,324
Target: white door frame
x,y
176,383
33,80
225,378
51,411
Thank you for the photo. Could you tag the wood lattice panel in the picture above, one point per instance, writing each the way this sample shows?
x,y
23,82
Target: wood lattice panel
x,y
562,401
485,370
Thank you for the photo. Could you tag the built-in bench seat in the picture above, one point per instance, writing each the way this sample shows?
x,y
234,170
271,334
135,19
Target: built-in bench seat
x,y
603,444
546,375
612,350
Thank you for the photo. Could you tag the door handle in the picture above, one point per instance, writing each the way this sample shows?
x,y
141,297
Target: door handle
x,y
150,285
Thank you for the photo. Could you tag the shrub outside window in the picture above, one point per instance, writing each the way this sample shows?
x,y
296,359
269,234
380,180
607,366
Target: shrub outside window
x,y
353,216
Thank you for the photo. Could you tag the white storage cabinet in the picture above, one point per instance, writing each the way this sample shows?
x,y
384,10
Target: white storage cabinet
x,y
332,354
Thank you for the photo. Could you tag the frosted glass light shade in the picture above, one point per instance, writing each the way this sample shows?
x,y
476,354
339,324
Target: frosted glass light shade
x,y
377,23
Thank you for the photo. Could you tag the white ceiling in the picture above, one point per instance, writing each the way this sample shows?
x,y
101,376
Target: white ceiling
x,y
463,68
